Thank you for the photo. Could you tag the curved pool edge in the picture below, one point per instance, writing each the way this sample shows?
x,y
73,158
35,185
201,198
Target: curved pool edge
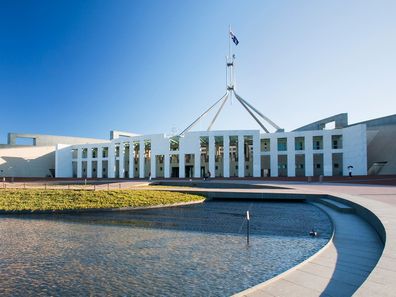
x,y
377,282
382,217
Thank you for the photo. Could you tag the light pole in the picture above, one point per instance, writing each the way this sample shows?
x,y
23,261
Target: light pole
x,y
2,173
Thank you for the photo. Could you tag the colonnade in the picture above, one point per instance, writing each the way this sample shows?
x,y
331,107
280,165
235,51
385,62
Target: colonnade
x,y
147,165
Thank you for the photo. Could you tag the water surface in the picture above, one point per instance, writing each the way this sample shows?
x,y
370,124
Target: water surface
x,y
197,250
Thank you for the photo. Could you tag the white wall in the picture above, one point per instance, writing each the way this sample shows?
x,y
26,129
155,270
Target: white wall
x,y
63,161
31,161
355,149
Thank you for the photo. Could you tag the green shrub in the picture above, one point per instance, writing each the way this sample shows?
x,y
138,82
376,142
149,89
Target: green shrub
x,y
34,200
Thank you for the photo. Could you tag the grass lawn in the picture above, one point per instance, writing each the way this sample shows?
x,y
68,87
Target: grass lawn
x,y
35,200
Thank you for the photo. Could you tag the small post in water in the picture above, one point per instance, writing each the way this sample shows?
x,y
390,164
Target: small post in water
x,y
248,227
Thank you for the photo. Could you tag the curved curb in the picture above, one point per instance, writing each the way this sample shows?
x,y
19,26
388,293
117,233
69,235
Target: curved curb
x,y
369,286
382,218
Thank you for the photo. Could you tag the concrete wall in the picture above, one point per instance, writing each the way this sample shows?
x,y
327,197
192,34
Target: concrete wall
x,y
48,140
63,161
381,145
381,149
355,149
27,161
117,134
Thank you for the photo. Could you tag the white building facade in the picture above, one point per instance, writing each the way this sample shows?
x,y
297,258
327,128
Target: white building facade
x,y
226,154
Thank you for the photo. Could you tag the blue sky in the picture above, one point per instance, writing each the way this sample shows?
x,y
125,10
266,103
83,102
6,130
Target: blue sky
x,y
83,68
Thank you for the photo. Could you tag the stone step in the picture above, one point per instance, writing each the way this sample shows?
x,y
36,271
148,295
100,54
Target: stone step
x,y
338,206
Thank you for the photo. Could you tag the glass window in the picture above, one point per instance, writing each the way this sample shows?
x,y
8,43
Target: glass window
x,y
299,143
336,141
265,145
105,152
174,143
95,152
282,144
85,153
318,142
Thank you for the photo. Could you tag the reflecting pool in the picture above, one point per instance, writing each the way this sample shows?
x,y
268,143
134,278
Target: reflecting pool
x,y
197,250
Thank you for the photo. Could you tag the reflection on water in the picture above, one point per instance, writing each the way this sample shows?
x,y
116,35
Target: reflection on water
x,y
195,250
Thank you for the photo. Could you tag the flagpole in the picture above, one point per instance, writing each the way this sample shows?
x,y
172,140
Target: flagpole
x,y
229,42
229,62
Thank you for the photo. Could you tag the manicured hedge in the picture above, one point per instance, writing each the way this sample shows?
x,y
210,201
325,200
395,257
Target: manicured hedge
x,y
34,200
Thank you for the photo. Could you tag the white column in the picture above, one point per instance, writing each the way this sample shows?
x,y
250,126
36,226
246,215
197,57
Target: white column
x,y
291,156
121,169
111,161
182,169
89,162
99,167
197,163
327,156
226,156
212,156
256,156
153,165
308,155
141,159
166,166
274,156
131,160
79,162
241,156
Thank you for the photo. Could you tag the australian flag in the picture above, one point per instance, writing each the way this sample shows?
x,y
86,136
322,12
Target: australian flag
x,y
234,38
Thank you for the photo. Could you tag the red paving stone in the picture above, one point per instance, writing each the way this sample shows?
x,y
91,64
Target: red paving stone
x,y
372,180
